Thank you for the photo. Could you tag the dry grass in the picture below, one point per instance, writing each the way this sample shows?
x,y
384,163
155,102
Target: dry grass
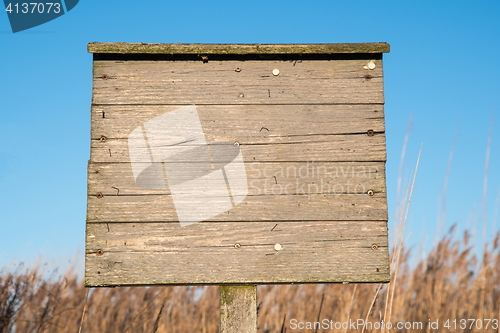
x,y
448,284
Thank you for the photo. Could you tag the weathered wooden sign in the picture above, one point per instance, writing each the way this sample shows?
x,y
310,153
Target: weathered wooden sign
x,y
236,164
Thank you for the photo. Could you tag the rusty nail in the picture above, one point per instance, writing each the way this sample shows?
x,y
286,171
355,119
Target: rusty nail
x,y
374,246
236,144
237,69
98,272
104,77
370,193
237,245
99,252
99,195
103,138
378,270
370,133
368,77
241,95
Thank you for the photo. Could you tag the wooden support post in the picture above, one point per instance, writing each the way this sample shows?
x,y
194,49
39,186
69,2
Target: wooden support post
x,y
238,309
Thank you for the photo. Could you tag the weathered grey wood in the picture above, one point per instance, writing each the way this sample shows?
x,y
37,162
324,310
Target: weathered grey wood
x,y
304,207
238,309
195,82
247,123
150,48
289,228
236,252
325,148
263,178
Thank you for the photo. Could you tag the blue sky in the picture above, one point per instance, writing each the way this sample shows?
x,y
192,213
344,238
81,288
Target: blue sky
x,y
443,69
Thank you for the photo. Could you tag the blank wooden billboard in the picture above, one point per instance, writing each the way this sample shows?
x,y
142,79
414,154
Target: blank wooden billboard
x,y
308,121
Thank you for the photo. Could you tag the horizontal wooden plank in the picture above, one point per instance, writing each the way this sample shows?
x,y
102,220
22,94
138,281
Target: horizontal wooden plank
x,y
156,48
310,205
247,123
237,82
241,252
262,178
326,148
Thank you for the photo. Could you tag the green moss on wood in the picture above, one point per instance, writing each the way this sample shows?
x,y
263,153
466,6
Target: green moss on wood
x,y
239,49
230,292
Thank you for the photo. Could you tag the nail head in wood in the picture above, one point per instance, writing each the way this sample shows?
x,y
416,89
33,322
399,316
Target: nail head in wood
x,y
237,69
276,72
99,195
370,133
370,65
278,247
237,245
104,77
103,138
374,247
370,193
99,252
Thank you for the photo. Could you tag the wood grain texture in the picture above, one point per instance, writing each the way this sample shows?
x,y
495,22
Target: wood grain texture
x,y
150,48
317,148
314,149
247,123
303,207
116,179
238,309
207,253
195,82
